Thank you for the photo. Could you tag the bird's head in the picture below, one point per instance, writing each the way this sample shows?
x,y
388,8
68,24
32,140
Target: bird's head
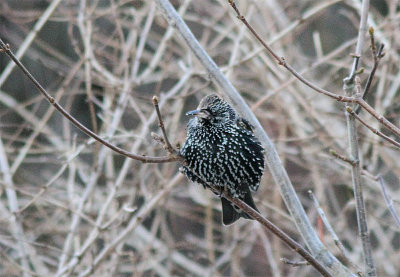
x,y
213,109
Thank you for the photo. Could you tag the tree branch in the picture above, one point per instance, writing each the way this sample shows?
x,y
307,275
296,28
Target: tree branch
x,y
145,159
352,86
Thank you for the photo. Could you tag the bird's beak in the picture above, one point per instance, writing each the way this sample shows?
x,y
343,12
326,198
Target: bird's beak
x,y
200,113
194,112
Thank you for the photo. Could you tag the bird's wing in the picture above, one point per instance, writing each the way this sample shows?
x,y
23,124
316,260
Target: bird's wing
x,y
243,123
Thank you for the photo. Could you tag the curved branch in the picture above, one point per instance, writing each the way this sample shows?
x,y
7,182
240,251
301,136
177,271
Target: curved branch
x,y
145,159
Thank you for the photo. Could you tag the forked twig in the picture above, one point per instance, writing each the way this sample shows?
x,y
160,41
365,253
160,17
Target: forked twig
x,y
377,55
168,146
375,131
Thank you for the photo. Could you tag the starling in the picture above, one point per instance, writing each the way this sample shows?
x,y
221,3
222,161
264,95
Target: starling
x,y
221,149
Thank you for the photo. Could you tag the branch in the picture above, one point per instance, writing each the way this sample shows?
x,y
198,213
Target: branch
x,y
168,146
341,157
373,130
145,159
352,87
271,227
377,55
332,232
388,200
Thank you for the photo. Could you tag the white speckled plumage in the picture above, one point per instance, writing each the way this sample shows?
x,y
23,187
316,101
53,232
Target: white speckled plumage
x,y
221,149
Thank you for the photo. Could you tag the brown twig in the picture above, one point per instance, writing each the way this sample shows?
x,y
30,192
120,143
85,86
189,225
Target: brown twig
x,y
145,159
341,157
377,55
375,131
168,145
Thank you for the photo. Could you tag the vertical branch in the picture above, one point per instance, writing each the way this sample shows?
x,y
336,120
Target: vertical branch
x,y
351,87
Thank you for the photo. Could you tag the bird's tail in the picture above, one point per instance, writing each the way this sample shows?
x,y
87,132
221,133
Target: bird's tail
x,y
231,213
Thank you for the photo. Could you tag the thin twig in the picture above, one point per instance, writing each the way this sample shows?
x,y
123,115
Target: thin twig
x,y
52,101
388,200
86,31
330,230
15,224
341,157
294,263
168,145
375,131
377,55
352,86
377,59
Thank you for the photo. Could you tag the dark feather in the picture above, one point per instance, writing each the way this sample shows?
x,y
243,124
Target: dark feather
x,y
221,149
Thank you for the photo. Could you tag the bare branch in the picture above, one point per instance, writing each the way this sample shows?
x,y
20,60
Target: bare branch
x,y
52,101
373,130
332,232
352,86
168,146
388,200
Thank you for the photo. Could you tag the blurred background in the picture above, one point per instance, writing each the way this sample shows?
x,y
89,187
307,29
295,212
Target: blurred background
x,y
72,207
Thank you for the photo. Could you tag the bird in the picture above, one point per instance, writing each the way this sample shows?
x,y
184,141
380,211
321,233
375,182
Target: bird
x,y
221,149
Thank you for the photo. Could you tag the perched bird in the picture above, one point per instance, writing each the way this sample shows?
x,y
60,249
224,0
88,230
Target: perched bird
x,y
221,149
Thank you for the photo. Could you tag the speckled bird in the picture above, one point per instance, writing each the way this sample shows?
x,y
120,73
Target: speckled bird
x,y
221,149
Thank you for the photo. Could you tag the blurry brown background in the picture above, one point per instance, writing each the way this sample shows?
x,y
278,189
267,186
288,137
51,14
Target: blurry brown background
x,y
81,210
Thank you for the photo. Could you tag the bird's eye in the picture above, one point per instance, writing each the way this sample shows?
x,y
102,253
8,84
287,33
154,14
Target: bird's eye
x,y
207,112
